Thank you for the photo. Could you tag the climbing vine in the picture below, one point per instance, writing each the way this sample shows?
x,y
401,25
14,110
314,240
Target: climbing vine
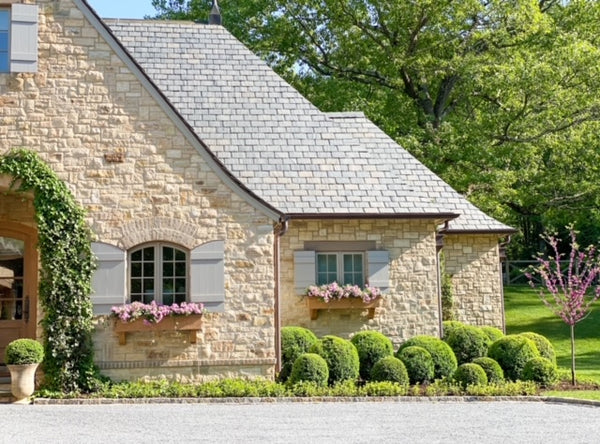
x,y
64,243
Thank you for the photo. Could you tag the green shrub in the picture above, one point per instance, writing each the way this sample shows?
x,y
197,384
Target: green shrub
x,y
390,369
383,388
371,347
468,343
540,370
310,367
492,369
418,362
512,353
470,374
543,345
492,333
341,357
294,342
444,360
449,326
24,351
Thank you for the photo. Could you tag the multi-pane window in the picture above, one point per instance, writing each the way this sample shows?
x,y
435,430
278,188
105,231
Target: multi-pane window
x,y
4,40
343,268
158,272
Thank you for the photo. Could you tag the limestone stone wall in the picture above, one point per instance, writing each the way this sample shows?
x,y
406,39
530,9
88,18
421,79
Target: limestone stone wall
x,y
411,306
474,265
141,180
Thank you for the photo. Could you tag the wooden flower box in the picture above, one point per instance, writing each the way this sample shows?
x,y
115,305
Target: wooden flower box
x,y
191,323
316,304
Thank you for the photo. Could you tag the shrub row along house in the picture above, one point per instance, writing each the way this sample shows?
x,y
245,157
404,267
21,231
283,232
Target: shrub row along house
x,y
207,178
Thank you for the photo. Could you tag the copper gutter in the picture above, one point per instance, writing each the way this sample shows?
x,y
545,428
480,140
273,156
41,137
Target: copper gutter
x,y
280,229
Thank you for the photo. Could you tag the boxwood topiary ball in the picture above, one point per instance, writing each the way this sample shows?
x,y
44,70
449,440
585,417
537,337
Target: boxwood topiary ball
x,y
512,352
390,369
492,333
468,343
444,360
23,351
309,367
341,357
543,345
294,342
470,374
540,370
492,369
418,362
371,347
449,326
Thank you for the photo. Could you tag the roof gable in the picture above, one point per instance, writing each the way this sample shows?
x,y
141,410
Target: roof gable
x,y
283,150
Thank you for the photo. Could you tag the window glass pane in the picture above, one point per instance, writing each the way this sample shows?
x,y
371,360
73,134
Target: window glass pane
x,y
136,269
136,256
179,298
168,269
180,255
180,285
167,254
149,254
136,286
180,268
326,268
353,269
148,269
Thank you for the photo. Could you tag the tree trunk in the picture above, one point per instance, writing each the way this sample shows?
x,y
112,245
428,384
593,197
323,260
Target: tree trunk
x,y
573,380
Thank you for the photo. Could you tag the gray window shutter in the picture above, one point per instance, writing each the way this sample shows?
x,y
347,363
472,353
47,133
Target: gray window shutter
x,y
109,278
378,265
24,38
305,271
207,270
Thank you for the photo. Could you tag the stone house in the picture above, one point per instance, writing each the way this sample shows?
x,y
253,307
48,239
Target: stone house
x,y
207,178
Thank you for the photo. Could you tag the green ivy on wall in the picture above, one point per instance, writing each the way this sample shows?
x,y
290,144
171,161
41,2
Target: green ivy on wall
x,y
67,263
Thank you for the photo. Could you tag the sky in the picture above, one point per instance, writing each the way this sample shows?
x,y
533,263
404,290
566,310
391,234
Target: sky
x,y
122,8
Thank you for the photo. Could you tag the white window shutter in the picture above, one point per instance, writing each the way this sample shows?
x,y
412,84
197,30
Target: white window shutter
x,y
305,271
24,38
109,278
378,265
207,270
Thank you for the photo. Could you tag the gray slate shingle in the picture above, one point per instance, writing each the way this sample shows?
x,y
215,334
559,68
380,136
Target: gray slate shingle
x,y
297,158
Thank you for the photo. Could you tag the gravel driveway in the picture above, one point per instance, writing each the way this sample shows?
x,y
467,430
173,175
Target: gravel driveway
x,y
303,422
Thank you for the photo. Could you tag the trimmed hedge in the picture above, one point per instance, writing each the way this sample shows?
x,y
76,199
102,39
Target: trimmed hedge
x,y
418,362
543,345
468,343
310,367
512,352
390,369
444,360
492,369
470,374
341,357
371,346
540,370
295,341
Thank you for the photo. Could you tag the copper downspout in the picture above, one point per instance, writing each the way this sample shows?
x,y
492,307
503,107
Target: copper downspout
x,y
280,229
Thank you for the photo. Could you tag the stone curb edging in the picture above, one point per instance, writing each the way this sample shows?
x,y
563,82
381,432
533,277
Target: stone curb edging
x,y
399,399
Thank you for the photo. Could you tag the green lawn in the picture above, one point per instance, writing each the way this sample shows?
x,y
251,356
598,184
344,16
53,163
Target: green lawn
x,y
526,312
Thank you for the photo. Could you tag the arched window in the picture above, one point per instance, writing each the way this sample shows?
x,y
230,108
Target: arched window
x,y
158,272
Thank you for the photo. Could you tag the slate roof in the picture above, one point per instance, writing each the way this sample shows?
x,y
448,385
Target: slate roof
x,y
298,159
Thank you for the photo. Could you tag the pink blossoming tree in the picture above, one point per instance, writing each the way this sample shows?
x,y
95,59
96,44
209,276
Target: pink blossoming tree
x,y
569,292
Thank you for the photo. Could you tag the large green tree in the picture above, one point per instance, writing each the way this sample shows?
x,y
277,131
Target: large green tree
x,y
499,97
